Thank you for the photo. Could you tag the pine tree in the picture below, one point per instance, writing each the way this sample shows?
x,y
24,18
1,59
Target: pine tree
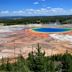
x,y
3,65
67,62
8,65
21,65
37,60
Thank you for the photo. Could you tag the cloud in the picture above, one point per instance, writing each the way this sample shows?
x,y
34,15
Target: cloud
x,y
47,11
19,11
38,2
4,12
35,3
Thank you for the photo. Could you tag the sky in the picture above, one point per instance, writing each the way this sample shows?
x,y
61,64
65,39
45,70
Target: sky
x,y
35,7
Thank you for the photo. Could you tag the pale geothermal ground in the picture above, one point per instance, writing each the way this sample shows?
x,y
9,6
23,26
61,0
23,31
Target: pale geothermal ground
x,y
20,39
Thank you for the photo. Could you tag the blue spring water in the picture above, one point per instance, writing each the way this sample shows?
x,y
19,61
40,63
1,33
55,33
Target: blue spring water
x,y
51,29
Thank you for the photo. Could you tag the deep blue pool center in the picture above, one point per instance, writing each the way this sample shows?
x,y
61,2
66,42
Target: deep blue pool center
x,y
46,30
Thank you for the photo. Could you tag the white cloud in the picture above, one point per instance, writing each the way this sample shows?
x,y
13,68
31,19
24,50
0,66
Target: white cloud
x,y
37,12
4,12
48,7
36,3
19,11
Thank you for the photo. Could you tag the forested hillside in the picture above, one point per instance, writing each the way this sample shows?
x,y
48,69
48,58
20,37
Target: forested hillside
x,y
36,19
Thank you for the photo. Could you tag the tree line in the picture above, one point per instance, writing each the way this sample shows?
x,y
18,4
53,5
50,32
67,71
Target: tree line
x,y
38,62
36,19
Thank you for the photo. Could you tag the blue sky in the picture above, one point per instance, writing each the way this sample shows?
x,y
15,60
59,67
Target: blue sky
x,y
35,7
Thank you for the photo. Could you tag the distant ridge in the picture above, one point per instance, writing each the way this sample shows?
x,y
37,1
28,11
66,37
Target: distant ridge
x,y
20,17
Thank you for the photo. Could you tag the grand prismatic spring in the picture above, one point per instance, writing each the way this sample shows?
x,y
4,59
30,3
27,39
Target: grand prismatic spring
x,y
24,38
